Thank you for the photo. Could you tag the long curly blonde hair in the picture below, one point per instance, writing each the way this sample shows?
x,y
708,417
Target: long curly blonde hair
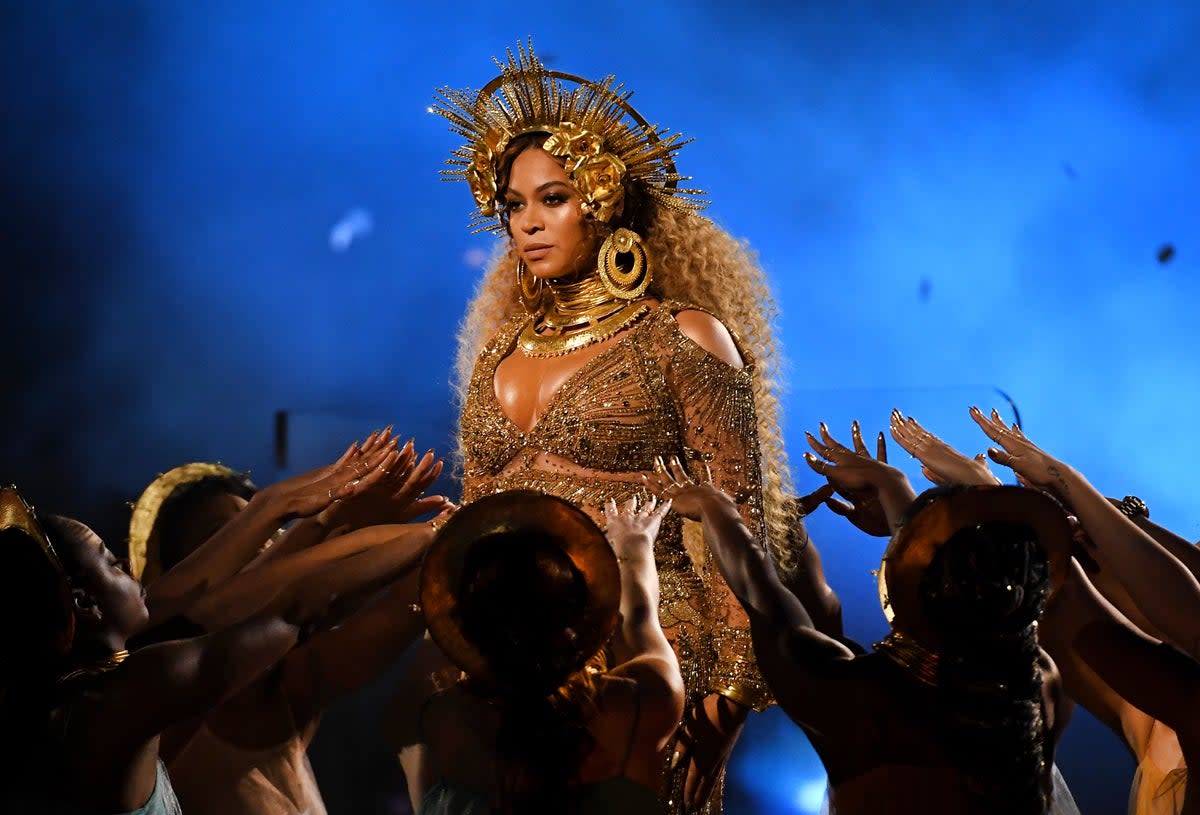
x,y
697,263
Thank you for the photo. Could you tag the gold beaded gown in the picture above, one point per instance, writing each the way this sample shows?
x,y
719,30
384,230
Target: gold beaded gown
x,y
654,392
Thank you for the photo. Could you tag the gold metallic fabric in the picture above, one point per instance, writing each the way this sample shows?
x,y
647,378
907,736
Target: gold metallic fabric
x,y
652,393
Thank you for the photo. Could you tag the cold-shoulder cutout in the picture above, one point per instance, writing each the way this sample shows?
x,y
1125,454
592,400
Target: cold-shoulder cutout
x,y
710,334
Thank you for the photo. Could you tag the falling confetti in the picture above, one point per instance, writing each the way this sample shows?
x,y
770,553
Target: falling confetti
x,y
1070,171
356,223
925,289
1166,253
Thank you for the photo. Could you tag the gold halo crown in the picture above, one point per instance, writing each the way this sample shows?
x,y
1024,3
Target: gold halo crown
x,y
145,563
602,140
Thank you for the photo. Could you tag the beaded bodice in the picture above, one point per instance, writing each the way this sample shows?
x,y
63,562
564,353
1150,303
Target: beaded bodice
x,y
654,392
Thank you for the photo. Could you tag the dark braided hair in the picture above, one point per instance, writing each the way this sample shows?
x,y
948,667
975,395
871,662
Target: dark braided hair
x,y
984,591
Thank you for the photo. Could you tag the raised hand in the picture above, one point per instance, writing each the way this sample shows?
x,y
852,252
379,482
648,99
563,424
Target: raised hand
x,y
940,462
311,492
631,529
877,492
1033,466
670,481
396,498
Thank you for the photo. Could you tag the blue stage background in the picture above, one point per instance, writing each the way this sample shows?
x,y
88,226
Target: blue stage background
x,y
214,212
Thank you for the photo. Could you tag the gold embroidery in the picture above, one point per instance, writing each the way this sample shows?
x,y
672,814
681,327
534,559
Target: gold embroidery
x,y
653,393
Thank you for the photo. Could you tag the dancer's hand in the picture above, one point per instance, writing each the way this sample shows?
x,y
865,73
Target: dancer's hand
x,y
670,481
1033,466
309,493
875,490
632,529
394,499
940,462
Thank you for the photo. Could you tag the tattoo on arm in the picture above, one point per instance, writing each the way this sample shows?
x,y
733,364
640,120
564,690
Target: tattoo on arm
x,y
1058,476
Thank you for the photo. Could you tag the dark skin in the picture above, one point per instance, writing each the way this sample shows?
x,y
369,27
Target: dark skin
x,y
110,750
549,232
861,713
1108,665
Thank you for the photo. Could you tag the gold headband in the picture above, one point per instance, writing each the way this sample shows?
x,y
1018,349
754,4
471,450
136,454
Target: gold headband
x,y
144,560
602,140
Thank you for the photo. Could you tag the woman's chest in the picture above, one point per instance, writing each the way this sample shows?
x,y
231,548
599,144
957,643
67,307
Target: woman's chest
x,y
609,408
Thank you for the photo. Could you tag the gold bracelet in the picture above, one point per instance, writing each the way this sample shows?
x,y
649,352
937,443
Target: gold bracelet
x,y
755,695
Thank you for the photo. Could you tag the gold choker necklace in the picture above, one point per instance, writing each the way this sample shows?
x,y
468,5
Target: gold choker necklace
x,y
581,313
100,666
913,657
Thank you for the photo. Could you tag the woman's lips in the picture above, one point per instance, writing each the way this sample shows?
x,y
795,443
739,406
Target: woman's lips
x,y
536,252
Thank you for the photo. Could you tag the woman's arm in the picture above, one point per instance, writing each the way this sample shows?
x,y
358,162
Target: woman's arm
x,y
347,563
340,660
640,648
796,658
1077,606
1166,592
162,685
714,394
237,542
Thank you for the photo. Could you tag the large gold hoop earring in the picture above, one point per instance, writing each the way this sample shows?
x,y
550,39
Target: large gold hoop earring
x,y
624,283
531,292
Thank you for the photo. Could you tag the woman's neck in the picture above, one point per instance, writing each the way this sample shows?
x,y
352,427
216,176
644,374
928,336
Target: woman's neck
x,y
579,311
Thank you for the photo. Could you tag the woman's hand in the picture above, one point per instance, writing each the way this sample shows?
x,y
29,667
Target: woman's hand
x,y
671,482
1033,466
940,462
868,483
631,530
307,494
397,498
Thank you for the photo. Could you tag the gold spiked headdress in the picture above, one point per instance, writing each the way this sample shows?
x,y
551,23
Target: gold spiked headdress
x,y
602,140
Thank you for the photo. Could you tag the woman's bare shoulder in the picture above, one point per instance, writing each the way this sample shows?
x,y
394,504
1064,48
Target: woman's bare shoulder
x,y
710,334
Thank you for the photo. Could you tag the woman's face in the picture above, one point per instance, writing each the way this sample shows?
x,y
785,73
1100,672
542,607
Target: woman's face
x,y
120,599
544,219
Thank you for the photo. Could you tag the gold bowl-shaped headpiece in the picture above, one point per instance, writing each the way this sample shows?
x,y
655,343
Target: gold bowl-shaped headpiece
x,y
514,512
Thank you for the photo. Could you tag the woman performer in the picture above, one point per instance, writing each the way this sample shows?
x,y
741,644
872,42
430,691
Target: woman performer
x,y
620,326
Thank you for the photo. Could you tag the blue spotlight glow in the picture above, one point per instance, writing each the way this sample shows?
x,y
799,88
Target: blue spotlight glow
x,y
811,796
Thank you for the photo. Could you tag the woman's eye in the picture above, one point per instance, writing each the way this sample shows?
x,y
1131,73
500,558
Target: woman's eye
x,y
554,199
512,206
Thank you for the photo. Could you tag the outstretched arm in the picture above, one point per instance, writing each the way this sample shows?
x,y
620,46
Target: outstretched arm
x,y
1166,591
639,645
340,660
253,590
162,685
1077,606
237,542
788,645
